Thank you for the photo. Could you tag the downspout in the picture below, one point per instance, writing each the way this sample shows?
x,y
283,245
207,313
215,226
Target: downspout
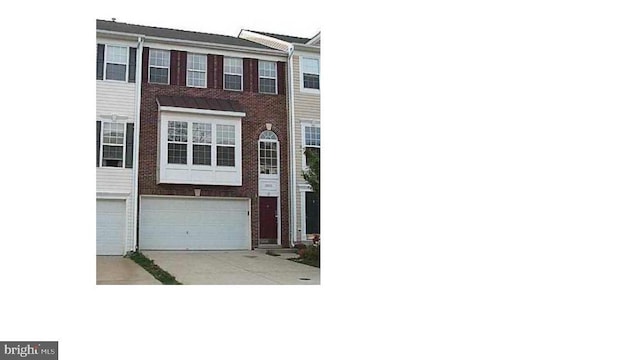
x,y
293,210
136,139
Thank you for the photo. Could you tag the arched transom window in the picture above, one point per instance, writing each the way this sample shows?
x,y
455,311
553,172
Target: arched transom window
x,y
268,153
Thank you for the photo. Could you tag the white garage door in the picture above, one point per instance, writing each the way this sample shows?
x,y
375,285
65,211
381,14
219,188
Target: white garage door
x,y
110,227
194,224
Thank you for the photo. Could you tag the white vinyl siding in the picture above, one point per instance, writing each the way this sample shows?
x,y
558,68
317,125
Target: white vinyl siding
x,y
307,110
116,98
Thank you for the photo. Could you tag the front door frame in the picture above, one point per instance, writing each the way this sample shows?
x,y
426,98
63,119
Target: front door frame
x,y
278,242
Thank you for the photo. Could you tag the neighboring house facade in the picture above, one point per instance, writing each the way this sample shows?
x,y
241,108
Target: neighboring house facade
x,y
116,131
304,70
213,168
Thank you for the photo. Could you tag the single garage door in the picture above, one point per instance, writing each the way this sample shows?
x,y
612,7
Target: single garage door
x,y
110,227
172,223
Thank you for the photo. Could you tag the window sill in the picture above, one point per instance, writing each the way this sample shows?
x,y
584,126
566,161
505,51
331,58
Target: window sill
x,y
310,91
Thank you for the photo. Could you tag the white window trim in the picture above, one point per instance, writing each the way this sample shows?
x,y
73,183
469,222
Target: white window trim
x,y
124,145
199,71
193,142
214,144
268,77
159,67
302,88
224,82
178,142
126,64
277,142
304,126
235,160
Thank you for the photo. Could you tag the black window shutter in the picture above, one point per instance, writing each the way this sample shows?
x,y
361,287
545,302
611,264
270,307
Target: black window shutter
x,y
132,64
128,161
100,62
98,124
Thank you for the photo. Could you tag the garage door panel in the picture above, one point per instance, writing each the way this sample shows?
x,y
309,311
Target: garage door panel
x,y
110,227
194,224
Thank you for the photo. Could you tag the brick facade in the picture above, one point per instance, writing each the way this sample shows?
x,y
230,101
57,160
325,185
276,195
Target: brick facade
x,y
260,109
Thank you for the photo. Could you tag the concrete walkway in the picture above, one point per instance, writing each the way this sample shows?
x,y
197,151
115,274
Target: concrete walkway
x,y
117,270
233,268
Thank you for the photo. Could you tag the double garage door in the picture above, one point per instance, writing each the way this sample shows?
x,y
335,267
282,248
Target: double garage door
x,y
194,224
110,227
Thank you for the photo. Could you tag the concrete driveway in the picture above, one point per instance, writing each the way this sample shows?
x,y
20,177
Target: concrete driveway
x,y
117,270
234,268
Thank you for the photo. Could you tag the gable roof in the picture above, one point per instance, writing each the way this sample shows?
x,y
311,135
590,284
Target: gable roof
x,y
175,34
287,38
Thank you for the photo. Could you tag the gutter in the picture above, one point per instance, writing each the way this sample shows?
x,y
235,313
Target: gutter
x,y
136,139
293,224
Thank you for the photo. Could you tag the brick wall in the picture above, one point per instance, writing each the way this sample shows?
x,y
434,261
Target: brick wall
x,y
260,109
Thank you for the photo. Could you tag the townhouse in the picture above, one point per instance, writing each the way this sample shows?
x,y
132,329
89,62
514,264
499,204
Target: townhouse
x,y
192,139
304,122
117,94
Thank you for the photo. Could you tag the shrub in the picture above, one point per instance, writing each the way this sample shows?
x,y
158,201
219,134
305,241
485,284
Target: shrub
x,y
311,253
301,248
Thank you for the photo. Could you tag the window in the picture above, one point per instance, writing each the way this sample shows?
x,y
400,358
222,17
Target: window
x,y
268,153
267,77
112,144
311,73
233,74
116,62
201,144
177,146
225,141
311,141
196,70
159,61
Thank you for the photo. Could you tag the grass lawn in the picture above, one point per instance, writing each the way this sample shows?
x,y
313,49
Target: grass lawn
x,y
314,263
164,277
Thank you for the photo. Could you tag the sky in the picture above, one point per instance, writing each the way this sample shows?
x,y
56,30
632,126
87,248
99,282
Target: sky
x,y
226,18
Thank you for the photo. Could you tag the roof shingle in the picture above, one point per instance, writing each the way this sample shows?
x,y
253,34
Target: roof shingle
x,y
200,103
176,34
287,38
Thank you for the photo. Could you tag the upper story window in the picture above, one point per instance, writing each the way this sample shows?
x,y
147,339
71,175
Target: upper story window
x,y
267,75
225,141
116,60
177,142
232,74
112,144
201,139
200,143
159,61
311,73
268,153
196,70
311,141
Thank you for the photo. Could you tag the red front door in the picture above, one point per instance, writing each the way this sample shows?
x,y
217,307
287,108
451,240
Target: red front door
x,y
269,219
